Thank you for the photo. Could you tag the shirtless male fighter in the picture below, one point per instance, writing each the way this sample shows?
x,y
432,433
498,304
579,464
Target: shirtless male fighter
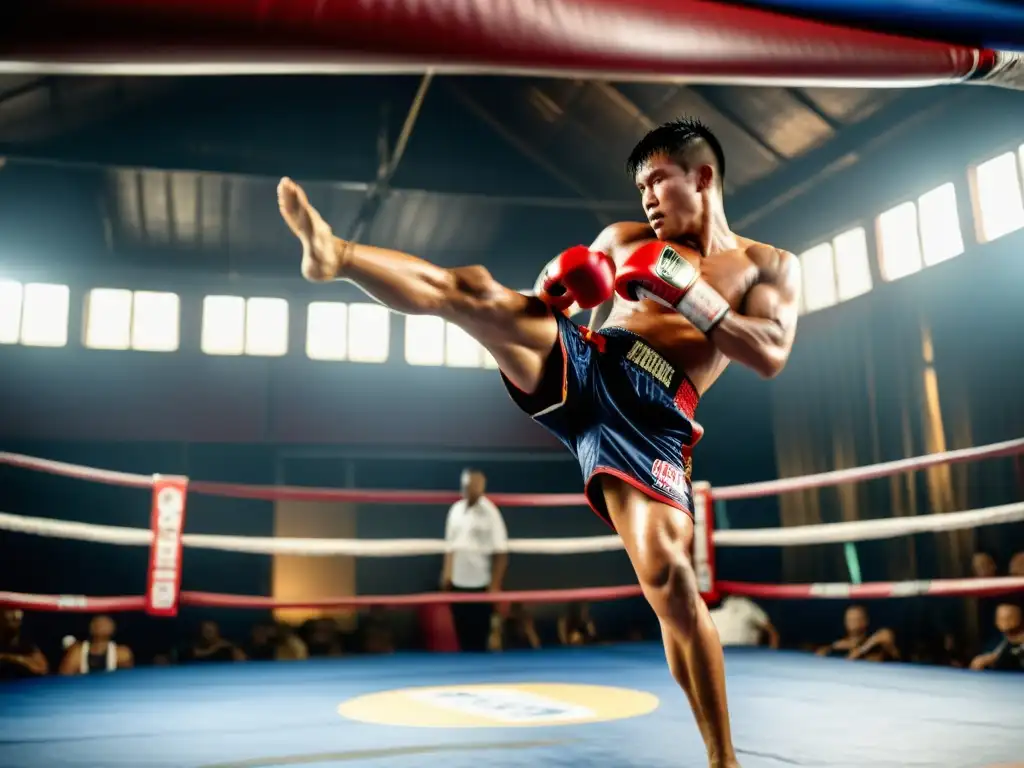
x,y
674,300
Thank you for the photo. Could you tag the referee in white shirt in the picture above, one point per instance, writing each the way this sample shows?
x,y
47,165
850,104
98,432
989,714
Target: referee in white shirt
x,y
476,560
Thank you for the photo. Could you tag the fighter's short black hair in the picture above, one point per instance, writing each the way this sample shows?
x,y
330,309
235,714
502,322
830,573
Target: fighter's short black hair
x,y
686,140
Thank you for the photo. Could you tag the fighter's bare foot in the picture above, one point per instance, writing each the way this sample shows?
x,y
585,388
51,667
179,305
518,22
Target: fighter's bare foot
x,y
321,256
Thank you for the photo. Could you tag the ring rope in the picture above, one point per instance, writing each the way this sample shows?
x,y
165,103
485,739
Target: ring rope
x,y
825,533
1002,585
296,493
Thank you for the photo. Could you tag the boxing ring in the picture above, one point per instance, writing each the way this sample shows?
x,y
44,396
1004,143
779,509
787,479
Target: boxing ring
x,y
605,705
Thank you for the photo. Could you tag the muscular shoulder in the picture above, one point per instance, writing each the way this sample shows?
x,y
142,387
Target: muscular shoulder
x,y
775,265
620,234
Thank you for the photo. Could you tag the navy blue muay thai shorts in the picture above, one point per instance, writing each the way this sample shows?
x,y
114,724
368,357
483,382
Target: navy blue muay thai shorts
x,y
621,408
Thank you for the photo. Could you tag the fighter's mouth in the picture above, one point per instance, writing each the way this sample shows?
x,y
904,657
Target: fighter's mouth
x,y
656,218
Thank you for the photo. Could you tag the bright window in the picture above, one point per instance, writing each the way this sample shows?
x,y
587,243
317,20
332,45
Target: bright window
x,y
489,361
369,327
10,311
156,321
266,327
817,266
461,350
44,315
223,325
120,319
108,319
853,269
899,244
939,220
424,340
327,331
999,202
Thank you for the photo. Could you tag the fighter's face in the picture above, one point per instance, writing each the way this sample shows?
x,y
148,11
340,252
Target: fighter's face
x,y
856,621
674,200
1008,618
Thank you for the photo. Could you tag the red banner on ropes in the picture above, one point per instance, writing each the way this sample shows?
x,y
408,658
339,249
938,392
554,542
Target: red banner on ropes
x,y
167,522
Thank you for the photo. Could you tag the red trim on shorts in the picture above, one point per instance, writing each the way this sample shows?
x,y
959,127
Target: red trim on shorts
x,y
686,399
565,377
645,489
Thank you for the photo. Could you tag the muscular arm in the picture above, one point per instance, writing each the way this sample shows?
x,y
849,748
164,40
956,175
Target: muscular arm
x,y
762,337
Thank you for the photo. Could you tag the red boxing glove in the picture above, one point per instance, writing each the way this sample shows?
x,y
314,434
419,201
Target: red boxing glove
x,y
659,272
577,276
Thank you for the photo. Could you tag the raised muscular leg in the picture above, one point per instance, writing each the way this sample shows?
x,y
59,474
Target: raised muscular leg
x,y
518,330
658,538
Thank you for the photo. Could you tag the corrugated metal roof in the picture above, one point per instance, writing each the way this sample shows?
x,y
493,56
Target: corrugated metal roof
x,y
533,146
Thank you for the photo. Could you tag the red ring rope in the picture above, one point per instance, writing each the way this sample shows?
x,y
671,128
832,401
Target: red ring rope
x,y
296,493
872,591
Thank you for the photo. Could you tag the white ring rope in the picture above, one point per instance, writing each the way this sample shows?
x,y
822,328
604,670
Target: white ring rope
x,y
861,530
273,545
867,530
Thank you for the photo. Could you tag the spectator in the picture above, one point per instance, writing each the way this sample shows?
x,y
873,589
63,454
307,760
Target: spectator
x,y
322,638
983,565
476,560
1009,654
99,653
575,627
19,656
263,642
514,632
858,644
289,645
376,631
1016,565
740,621
210,646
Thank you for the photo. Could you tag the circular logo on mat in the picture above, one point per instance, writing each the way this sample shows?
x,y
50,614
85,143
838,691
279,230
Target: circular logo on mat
x,y
517,705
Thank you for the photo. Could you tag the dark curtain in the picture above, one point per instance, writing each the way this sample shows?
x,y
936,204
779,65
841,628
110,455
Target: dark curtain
x,y
927,364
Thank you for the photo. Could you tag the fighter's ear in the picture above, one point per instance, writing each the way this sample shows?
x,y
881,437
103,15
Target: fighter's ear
x,y
705,178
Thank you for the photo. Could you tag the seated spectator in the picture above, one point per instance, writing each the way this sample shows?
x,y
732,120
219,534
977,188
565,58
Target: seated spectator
x,y
1016,565
212,647
1008,656
516,631
857,643
99,653
322,638
289,645
575,626
983,565
740,621
19,656
263,642
376,631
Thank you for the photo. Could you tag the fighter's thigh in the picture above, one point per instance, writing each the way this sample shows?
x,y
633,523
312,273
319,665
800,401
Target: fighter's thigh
x,y
657,536
518,330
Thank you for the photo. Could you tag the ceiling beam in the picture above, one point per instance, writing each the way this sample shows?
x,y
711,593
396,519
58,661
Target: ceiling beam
x,y
16,156
803,173
811,106
522,147
713,97
379,190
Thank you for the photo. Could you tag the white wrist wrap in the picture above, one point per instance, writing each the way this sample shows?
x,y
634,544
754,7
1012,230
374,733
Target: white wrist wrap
x,y
703,306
